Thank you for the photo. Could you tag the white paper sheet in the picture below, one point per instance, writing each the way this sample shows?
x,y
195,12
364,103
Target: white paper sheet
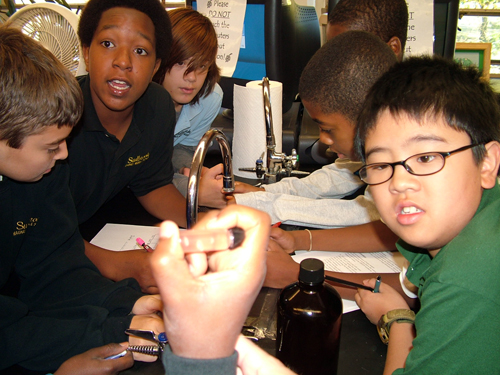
x,y
121,237
381,262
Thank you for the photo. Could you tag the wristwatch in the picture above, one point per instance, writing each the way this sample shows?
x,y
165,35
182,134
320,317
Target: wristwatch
x,y
398,315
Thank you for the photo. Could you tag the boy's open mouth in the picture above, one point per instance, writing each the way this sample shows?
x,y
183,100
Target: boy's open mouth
x,y
119,85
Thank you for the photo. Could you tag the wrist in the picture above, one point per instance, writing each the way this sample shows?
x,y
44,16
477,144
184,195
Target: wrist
x,y
394,316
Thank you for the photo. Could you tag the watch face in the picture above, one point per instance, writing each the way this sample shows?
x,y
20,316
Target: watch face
x,y
382,332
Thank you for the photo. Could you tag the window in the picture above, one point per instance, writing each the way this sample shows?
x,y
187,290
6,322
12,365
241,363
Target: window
x,y
480,23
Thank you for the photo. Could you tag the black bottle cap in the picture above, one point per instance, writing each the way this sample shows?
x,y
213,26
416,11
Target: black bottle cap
x,y
312,271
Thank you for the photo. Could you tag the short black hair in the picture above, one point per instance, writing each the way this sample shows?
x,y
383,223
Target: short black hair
x,y
339,75
384,18
429,87
91,15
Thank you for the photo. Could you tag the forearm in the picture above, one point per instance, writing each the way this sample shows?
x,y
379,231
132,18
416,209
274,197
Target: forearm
x,y
166,203
400,343
369,237
103,259
120,265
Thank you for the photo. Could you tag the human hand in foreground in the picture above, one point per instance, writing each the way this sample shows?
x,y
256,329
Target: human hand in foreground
x,y
374,305
94,362
252,360
207,296
282,270
147,310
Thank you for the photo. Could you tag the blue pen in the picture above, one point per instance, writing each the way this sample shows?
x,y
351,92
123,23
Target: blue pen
x,y
377,284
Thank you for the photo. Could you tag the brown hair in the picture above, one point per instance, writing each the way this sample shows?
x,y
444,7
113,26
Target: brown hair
x,y
36,90
193,37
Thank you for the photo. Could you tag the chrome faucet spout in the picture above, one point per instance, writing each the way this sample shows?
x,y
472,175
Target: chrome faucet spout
x,y
195,173
268,115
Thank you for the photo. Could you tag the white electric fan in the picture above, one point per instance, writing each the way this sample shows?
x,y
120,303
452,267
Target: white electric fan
x,y
3,18
55,27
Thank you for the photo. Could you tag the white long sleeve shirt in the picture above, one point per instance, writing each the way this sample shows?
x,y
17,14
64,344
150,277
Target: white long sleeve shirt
x,y
316,200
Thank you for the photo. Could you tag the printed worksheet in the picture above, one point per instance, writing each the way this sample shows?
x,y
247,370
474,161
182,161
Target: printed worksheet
x,y
381,262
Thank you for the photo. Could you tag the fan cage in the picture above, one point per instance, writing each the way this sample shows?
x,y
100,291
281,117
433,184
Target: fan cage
x,y
54,31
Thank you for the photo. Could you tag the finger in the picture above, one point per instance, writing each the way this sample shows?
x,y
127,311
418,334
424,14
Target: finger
x,y
214,171
250,256
168,263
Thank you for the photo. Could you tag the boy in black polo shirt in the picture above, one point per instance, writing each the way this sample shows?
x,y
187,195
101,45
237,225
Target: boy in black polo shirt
x,y
126,133
54,304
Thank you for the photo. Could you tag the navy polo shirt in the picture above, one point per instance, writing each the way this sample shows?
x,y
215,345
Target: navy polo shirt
x,y
64,305
101,165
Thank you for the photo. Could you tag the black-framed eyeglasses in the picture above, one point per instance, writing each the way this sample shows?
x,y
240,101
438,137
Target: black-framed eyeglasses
x,y
423,164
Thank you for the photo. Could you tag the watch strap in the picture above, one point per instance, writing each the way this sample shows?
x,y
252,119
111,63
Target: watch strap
x,y
397,315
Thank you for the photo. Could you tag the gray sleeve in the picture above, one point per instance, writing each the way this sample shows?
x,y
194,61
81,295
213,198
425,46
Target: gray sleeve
x,y
175,365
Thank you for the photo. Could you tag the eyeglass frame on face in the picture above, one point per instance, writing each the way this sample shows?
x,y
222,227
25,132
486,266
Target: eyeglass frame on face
x,y
443,155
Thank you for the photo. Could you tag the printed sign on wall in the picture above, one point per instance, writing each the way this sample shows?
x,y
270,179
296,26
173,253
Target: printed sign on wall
x,y
227,17
420,38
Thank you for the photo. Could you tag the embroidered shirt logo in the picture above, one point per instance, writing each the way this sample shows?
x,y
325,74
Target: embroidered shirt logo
x,y
137,160
21,226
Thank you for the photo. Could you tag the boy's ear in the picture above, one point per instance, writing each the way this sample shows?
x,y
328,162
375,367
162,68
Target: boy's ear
x,y
157,66
85,53
490,165
395,45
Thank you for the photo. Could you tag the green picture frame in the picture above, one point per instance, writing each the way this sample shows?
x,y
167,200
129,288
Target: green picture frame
x,y
478,54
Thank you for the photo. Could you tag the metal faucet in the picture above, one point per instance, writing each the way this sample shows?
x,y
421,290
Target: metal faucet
x,y
195,173
278,164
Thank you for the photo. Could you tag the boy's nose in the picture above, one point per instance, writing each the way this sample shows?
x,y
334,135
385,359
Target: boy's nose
x,y
122,59
323,138
403,180
191,76
62,152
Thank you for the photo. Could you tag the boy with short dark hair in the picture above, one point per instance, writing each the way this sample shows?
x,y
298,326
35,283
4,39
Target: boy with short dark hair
x,y
53,302
125,138
429,135
333,87
388,19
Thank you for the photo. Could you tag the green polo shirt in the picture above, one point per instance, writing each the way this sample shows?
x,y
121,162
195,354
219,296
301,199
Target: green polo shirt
x,y
101,165
458,323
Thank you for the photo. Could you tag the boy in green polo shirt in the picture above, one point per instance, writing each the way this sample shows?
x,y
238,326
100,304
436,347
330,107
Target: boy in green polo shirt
x,y
429,134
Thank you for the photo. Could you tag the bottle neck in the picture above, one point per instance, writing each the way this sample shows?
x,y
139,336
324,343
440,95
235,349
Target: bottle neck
x,y
310,286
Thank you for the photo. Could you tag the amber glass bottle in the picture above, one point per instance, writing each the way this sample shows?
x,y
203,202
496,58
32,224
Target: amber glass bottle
x,y
309,319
